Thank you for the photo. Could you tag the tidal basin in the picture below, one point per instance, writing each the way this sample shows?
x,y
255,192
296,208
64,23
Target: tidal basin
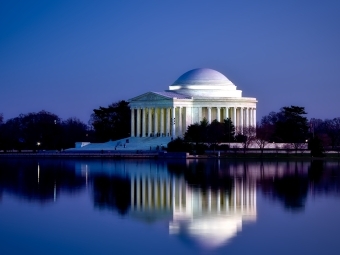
x,y
69,206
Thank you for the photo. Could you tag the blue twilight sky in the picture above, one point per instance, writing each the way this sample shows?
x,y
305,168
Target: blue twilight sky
x,y
69,57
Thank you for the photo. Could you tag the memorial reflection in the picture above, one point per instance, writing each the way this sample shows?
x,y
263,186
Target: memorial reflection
x,y
214,216
111,182
206,202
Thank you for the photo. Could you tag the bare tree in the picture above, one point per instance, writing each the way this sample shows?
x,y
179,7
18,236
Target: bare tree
x,y
288,147
298,146
246,136
332,129
264,133
277,149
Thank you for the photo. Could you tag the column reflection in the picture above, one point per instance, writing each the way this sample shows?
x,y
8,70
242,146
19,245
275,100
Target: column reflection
x,y
212,217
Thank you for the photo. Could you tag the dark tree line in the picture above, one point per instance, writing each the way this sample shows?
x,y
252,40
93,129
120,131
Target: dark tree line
x,y
41,131
112,122
289,125
46,131
198,135
328,132
214,132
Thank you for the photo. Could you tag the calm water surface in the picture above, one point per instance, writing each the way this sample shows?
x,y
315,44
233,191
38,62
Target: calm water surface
x,y
168,207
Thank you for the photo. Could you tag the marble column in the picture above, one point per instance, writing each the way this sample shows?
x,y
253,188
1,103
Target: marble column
x,y
241,118
138,122
173,122
132,122
218,114
180,121
234,116
167,121
162,121
226,113
149,121
254,117
200,115
143,122
247,117
209,115
155,122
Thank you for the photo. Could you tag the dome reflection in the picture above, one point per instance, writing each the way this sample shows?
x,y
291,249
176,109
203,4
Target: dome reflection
x,y
208,217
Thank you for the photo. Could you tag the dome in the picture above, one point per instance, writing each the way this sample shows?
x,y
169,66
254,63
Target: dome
x,y
209,232
204,82
202,76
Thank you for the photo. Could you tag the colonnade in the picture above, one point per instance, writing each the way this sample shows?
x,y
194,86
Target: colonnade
x,y
173,121
152,122
159,193
150,193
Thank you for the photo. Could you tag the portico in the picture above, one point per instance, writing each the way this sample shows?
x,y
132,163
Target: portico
x,y
198,94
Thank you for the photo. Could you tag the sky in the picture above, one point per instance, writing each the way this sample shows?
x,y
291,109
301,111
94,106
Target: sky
x,y
70,57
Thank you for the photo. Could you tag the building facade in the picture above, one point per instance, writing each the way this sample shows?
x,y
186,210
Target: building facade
x,y
195,95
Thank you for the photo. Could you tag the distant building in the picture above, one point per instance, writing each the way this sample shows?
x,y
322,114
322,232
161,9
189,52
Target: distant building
x,y
197,94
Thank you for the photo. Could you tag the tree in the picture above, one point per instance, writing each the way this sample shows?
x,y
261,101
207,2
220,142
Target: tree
x,y
179,145
32,131
215,133
293,125
112,122
316,147
1,118
228,131
264,133
246,136
197,133
272,118
289,125
332,129
73,130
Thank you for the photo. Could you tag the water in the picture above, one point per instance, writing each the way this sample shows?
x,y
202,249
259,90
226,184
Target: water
x,y
168,207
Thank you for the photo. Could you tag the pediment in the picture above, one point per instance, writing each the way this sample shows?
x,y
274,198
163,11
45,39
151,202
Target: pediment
x,y
149,96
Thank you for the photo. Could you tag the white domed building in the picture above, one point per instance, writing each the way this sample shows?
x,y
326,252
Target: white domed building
x,y
195,95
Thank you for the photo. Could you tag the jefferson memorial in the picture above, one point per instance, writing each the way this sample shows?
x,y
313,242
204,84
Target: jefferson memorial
x,y
197,94
157,117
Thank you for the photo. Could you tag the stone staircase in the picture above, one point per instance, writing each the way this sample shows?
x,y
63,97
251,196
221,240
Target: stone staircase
x,y
126,144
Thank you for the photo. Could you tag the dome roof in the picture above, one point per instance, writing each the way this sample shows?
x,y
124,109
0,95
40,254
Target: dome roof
x,y
202,76
204,82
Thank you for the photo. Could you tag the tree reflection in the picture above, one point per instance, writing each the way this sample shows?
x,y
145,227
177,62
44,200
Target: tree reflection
x,y
38,181
203,174
290,190
112,192
289,183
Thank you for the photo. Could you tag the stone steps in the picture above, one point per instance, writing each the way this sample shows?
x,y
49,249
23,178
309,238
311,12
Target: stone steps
x,y
133,144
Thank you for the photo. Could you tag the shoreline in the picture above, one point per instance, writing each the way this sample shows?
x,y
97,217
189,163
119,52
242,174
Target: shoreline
x,y
156,155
